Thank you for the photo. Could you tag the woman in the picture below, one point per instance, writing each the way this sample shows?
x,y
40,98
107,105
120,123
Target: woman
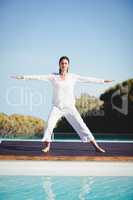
x,y
64,102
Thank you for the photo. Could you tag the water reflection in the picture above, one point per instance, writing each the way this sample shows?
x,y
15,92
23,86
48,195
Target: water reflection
x,y
82,187
47,186
86,187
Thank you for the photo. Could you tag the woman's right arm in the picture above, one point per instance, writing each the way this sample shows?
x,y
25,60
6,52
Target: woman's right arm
x,y
33,77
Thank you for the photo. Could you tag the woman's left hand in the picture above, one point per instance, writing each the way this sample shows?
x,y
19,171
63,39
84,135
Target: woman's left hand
x,y
108,81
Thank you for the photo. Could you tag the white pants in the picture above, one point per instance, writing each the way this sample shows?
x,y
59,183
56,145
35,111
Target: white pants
x,y
73,117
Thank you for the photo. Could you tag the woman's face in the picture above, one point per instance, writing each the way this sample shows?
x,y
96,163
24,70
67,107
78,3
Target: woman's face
x,y
64,65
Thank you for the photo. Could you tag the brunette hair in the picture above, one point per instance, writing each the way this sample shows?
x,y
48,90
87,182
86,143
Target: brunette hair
x,y
62,58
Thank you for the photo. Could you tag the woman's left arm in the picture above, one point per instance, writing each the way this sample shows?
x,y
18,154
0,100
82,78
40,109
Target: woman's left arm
x,y
86,79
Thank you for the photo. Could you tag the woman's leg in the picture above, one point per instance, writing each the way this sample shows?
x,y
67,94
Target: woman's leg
x,y
53,117
79,125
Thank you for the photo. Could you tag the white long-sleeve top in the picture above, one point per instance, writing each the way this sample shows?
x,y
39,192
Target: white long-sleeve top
x,y
63,90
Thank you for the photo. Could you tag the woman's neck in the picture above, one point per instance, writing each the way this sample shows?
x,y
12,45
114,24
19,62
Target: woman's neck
x,y
63,74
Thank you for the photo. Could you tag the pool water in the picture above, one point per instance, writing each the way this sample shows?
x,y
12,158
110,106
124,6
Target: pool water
x,y
66,188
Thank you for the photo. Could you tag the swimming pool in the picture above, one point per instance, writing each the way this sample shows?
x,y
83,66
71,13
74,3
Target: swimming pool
x,y
65,188
64,180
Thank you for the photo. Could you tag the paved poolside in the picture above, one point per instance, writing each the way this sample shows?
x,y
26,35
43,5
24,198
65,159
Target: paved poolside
x,y
65,168
67,151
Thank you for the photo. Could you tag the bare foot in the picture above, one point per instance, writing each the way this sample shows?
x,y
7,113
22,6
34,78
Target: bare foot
x,y
100,150
97,147
47,148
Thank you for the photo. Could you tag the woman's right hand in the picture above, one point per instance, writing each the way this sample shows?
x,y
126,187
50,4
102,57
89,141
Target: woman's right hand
x,y
18,77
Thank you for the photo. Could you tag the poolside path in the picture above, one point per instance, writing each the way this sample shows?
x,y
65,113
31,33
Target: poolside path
x,y
31,150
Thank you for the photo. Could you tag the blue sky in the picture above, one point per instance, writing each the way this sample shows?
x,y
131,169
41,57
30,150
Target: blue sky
x,y
96,35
